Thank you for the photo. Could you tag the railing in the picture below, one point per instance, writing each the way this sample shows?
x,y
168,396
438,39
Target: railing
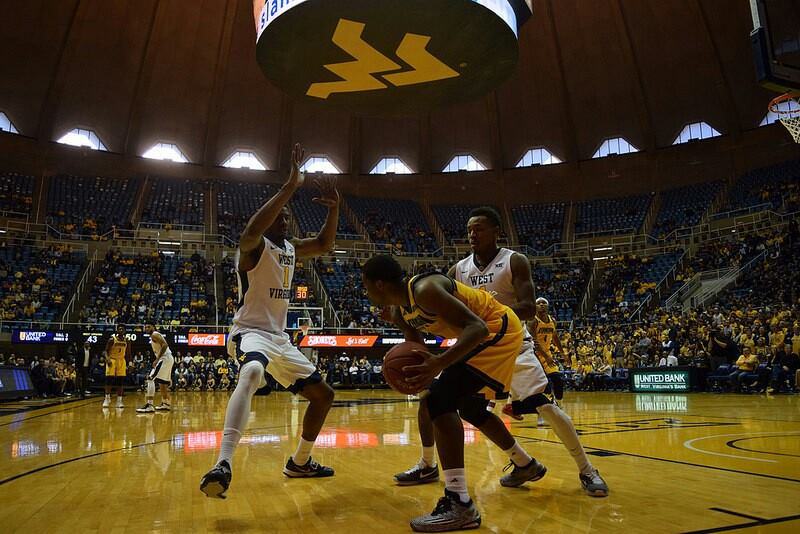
x,y
79,288
766,206
589,290
726,280
169,227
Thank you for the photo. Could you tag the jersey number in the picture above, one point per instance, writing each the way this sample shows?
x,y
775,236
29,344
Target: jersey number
x,y
286,277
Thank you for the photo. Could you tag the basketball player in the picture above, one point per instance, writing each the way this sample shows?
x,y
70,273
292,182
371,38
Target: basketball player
x,y
118,351
160,374
543,329
476,369
507,276
265,263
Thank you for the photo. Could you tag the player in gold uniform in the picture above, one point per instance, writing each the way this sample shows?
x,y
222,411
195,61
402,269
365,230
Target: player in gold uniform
x,y
117,352
476,369
543,330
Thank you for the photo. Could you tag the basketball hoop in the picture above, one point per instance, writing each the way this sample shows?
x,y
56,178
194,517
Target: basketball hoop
x,y
787,108
304,328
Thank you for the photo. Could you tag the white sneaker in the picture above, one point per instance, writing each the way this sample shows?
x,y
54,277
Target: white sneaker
x,y
163,407
119,403
106,402
147,408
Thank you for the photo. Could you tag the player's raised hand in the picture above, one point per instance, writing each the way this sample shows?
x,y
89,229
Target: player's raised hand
x,y
296,178
328,195
424,373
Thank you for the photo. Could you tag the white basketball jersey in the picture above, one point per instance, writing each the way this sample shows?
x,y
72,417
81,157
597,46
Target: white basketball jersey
x,y
155,347
265,290
495,278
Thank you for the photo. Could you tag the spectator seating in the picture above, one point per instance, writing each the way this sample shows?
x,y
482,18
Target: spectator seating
x,y
539,226
174,201
237,202
342,281
611,215
627,280
563,285
684,206
311,216
90,205
16,192
37,283
156,287
769,185
395,224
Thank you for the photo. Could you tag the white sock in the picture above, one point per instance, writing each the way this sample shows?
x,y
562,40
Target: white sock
x,y
239,408
562,425
108,396
303,452
455,480
428,457
518,455
150,391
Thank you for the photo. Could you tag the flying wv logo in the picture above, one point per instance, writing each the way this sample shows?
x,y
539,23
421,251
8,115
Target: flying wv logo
x,y
358,75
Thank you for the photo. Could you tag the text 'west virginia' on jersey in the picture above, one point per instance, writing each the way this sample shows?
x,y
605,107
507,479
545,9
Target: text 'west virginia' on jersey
x,y
495,278
265,290
494,358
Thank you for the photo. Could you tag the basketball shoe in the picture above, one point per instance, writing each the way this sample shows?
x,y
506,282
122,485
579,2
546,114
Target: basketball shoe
x,y
147,408
215,483
450,514
418,475
164,407
308,470
509,411
594,485
520,475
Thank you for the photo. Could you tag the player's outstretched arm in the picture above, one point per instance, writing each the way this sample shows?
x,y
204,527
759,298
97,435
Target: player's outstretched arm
x,y
324,241
252,235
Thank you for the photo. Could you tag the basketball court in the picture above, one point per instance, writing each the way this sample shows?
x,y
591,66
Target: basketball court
x,y
675,463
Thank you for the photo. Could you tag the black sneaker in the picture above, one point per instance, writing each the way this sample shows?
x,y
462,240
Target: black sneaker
x,y
308,470
417,475
215,483
594,485
450,514
520,475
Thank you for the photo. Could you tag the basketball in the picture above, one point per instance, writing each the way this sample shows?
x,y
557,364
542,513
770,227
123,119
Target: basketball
x,y
398,357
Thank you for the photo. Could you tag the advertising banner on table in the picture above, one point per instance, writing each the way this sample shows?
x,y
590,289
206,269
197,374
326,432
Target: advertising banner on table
x,y
206,340
352,342
39,336
643,380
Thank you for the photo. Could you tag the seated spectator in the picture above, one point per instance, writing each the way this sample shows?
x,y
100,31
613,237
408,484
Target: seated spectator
x,y
745,367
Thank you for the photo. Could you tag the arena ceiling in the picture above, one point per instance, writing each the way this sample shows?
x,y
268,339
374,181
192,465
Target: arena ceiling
x,y
183,71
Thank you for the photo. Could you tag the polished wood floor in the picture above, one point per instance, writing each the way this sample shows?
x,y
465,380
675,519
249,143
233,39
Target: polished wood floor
x,y
675,463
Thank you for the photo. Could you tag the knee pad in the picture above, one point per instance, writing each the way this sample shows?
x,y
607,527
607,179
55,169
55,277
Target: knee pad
x,y
151,388
474,410
532,404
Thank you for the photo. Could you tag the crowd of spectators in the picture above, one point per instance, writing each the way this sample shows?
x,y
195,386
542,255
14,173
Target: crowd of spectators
x,y
90,206
36,282
346,293
395,225
347,370
155,287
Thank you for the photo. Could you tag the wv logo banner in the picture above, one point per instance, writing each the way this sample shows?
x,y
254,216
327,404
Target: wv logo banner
x,y
359,75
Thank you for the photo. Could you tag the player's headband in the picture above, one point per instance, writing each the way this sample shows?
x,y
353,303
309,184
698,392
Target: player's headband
x,y
542,300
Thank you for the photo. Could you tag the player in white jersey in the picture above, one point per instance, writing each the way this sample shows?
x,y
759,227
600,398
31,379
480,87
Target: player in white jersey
x,y
507,276
160,374
265,265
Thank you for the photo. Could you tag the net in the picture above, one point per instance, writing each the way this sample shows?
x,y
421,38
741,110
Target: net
x,y
787,108
304,328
